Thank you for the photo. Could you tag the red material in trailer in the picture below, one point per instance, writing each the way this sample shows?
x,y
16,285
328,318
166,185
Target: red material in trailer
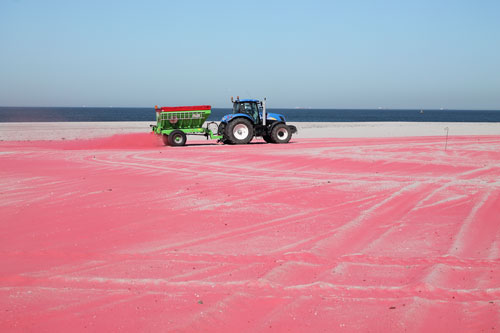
x,y
182,108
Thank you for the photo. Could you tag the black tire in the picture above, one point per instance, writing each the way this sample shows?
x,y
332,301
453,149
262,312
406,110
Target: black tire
x,y
239,131
268,138
222,128
222,131
281,133
177,138
164,139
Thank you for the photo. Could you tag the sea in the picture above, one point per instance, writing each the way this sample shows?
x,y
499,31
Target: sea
x,y
74,114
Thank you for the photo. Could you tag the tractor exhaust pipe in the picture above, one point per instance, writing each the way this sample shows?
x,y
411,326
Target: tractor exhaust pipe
x,y
264,113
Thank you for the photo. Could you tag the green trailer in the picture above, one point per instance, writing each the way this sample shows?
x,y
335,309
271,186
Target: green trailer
x,y
175,123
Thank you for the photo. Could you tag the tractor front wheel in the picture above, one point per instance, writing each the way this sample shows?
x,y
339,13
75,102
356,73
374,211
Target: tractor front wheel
x,y
239,131
281,133
268,138
177,138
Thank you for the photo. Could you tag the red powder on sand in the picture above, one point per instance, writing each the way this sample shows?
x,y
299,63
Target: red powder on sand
x,y
124,234
119,141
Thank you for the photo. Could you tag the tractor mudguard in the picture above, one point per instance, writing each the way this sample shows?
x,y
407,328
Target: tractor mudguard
x,y
274,123
228,117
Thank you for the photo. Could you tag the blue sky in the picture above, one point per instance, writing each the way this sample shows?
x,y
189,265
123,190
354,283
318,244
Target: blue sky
x,y
325,54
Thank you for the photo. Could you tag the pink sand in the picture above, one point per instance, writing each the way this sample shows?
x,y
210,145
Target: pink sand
x,y
351,235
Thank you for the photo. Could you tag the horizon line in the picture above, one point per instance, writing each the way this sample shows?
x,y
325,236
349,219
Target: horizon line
x,y
288,108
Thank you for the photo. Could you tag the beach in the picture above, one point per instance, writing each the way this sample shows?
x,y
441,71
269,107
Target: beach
x,y
350,227
87,130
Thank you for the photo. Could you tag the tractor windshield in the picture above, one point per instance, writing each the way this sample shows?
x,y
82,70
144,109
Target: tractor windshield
x,y
249,108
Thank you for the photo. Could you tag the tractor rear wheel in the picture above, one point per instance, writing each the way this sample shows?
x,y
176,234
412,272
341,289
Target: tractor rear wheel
x,y
177,138
239,131
164,139
281,133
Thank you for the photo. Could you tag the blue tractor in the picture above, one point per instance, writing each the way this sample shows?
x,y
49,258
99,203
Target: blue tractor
x,y
250,119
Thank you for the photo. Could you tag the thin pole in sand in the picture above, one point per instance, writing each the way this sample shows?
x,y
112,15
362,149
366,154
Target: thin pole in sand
x,y
446,143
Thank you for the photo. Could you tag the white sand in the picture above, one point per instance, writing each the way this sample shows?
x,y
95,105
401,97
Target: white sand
x,y
87,130
393,129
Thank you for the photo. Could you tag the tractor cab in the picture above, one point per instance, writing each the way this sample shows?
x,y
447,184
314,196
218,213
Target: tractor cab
x,y
249,107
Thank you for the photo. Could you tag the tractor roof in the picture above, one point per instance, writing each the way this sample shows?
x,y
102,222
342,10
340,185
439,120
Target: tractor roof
x,y
246,100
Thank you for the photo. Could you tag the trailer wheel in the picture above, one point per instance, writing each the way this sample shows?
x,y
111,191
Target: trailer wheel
x,y
281,133
239,131
164,139
177,138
